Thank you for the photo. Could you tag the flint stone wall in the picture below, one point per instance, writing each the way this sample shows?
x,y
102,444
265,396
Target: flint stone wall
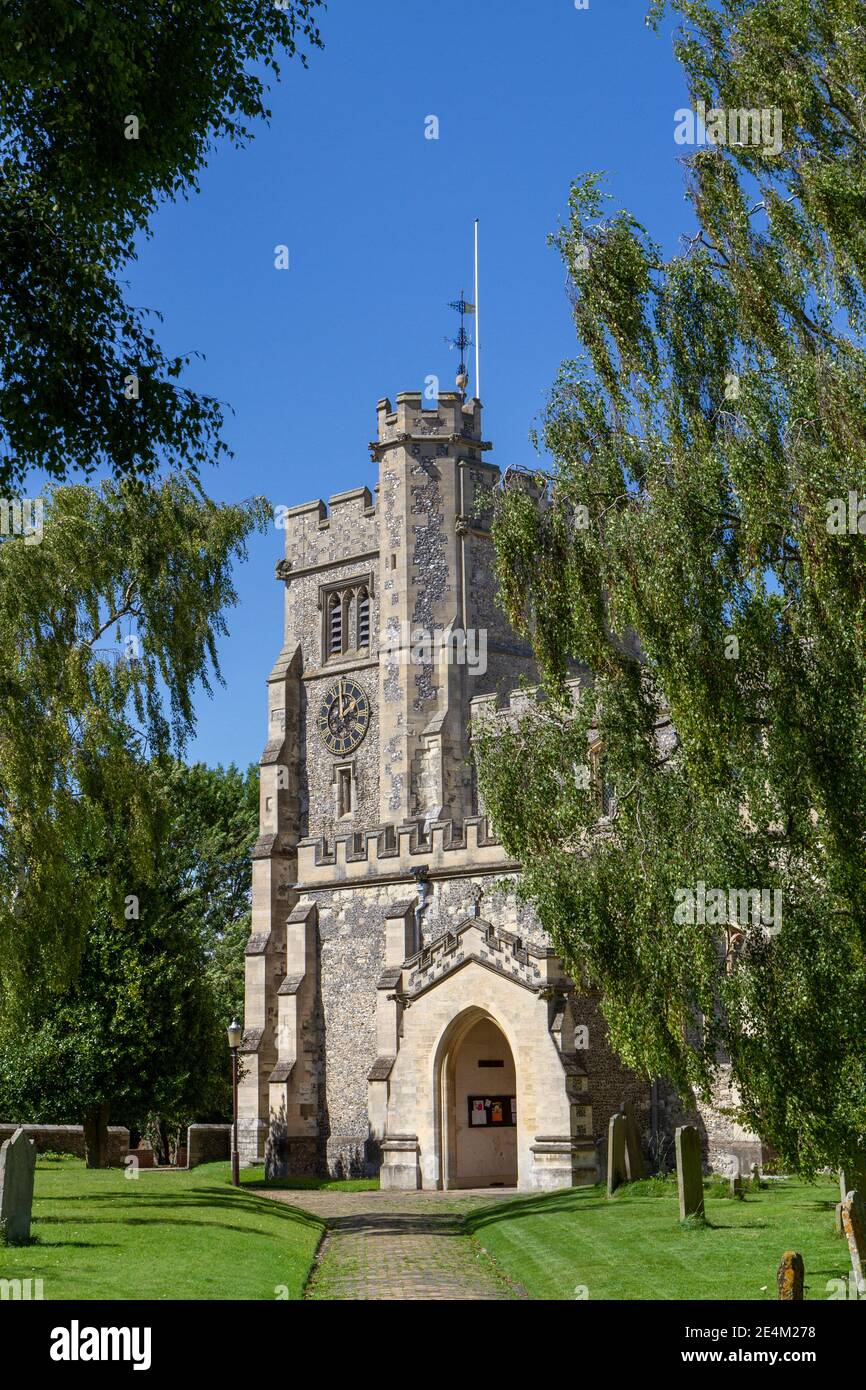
x,y
352,944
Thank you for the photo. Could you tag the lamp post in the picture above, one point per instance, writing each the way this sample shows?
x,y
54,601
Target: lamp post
x,y
235,1033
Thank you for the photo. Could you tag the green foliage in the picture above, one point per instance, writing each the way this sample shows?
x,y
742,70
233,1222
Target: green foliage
x,y
141,1028
80,718
718,409
75,192
215,819
136,1029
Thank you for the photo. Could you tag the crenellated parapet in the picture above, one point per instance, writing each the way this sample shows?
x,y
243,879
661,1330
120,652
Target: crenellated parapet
x,y
516,703
320,535
450,420
401,851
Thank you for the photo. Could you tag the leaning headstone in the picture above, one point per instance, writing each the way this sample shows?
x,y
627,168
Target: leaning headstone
x,y
17,1166
634,1163
616,1137
690,1181
854,1225
790,1276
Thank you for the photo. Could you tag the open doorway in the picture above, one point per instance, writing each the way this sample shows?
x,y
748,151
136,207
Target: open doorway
x,y
478,1088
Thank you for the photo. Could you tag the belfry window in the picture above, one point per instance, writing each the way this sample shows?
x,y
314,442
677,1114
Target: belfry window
x,y
346,615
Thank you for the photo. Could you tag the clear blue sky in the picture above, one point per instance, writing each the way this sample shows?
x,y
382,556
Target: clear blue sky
x,y
378,221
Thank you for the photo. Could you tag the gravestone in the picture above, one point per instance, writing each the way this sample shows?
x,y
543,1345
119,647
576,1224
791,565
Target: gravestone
x,y
17,1165
852,1179
690,1181
790,1276
634,1163
854,1224
616,1168
837,1220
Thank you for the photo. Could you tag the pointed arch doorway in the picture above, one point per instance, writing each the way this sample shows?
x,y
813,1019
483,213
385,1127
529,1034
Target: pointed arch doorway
x,y
477,1094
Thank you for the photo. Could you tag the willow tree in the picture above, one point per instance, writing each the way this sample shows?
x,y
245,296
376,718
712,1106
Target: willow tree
x,y
700,547
109,615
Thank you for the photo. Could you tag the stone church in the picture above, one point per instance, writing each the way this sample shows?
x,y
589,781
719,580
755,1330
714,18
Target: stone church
x,y
404,1014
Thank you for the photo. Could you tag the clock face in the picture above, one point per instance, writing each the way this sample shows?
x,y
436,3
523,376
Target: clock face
x,y
344,716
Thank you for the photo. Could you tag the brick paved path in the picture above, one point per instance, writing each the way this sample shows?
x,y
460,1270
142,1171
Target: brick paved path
x,y
387,1245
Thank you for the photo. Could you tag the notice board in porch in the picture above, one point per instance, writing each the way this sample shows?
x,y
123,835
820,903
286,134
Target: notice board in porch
x,y
498,1112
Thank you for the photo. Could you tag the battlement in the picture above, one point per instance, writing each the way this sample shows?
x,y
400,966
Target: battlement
x,y
518,702
402,851
451,419
318,535
326,514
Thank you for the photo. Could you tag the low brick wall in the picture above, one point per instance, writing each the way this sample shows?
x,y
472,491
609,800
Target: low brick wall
x,y
207,1144
69,1139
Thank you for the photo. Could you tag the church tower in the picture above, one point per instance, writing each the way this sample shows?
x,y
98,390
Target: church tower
x,y
404,1012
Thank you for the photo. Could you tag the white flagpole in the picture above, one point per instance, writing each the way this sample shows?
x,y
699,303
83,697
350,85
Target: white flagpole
x,y
477,352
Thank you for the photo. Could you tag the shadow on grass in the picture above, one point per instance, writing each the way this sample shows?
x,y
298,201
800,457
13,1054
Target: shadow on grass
x,y
573,1201
76,1245
562,1203
211,1199
192,1196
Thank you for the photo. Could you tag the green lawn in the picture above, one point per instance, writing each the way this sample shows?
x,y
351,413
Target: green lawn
x,y
169,1235
192,1236
632,1247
